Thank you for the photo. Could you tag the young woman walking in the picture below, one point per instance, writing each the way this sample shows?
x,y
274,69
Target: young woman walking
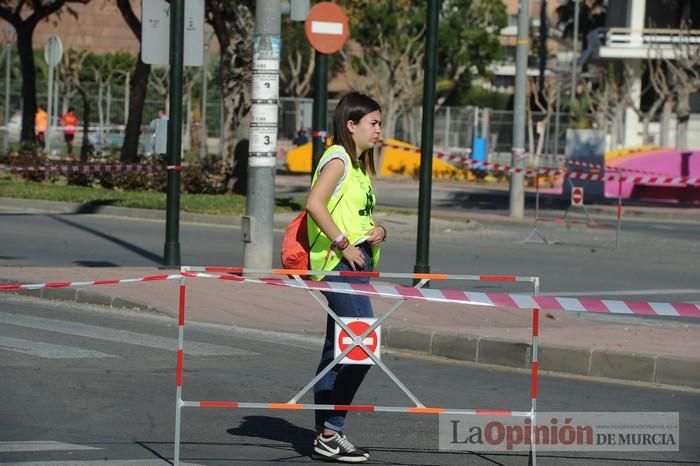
x,y
345,236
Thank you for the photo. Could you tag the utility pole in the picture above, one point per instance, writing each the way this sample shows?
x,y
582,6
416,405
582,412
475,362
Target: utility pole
x,y
8,65
256,225
171,254
203,118
426,144
574,61
518,153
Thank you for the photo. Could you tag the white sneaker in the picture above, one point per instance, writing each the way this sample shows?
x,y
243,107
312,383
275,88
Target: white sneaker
x,y
338,448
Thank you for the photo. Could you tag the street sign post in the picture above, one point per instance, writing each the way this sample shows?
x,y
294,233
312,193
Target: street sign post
x,y
53,52
326,27
327,31
155,32
357,355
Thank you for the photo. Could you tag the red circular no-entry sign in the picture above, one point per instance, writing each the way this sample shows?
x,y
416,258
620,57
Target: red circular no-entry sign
x,y
327,27
345,340
577,196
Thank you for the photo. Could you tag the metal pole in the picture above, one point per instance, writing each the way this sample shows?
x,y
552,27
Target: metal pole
x,y
171,256
126,99
256,228
619,213
518,153
426,145
8,57
319,116
556,119
574,65
49,110
203,120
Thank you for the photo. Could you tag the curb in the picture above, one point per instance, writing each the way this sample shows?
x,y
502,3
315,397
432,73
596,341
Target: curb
x,y
460,219
616,365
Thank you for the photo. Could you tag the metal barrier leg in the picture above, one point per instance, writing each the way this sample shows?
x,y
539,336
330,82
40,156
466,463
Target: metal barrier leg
x,y
178,377
533,391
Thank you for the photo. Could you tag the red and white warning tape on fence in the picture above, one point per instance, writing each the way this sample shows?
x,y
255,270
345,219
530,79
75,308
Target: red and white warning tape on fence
x,y
507,300
528,172
83,168
38,286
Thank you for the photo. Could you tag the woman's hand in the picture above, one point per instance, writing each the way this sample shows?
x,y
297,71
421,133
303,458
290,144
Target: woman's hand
x,y
354,257
376,235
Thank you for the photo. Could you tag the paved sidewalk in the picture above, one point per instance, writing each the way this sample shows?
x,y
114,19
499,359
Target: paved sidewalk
x,y
644,350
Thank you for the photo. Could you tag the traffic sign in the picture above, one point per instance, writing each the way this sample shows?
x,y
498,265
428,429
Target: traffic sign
x,y
357,355
576,196
155,32
327,27
53,51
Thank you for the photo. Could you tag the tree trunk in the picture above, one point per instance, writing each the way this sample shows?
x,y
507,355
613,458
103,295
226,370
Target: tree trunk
x,y
85,148
26,59
665,130
137,96
683,115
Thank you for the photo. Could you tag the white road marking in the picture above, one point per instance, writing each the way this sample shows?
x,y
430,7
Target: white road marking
x,y
48,350
622,292
120,336
151,462
41,445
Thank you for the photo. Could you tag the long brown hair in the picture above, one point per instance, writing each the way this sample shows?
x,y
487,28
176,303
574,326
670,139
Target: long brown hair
x,y
353,107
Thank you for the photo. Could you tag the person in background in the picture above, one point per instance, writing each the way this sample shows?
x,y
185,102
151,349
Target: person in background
x,y
301,137
41,123
69,121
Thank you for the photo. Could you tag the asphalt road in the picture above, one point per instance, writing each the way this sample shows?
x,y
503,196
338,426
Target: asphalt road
x,y
80,385
651,265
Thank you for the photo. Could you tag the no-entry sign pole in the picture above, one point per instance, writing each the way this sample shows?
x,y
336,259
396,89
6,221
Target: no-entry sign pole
x,y
327,31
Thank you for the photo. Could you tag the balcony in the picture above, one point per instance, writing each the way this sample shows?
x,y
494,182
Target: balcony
x,y
625,43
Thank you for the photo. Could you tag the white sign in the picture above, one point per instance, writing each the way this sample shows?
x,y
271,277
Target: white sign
x,y
263,140
155,32
358,326
53,51
264,114
265,87
266,54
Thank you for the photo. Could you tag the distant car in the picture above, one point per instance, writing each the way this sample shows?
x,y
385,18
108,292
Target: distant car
x,y
14,127
112,142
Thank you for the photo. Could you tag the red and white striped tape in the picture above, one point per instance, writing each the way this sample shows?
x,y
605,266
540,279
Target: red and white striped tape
x,y
507,300
83,168
38,286
529,172
514,301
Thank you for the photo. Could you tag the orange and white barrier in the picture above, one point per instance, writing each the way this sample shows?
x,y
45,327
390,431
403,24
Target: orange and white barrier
x,y
533,302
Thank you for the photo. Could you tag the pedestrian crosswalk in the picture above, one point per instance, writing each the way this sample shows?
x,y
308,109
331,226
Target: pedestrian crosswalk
x,y
53,350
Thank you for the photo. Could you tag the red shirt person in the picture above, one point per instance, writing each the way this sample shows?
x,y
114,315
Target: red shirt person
x,y
69,121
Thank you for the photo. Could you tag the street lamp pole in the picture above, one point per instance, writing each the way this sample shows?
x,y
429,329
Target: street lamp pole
x,y
8,59
518,153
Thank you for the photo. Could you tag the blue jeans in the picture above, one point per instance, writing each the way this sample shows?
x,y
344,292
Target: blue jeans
x,y
340,384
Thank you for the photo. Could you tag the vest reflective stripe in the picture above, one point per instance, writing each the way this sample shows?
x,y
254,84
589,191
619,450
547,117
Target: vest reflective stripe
x,y
353,214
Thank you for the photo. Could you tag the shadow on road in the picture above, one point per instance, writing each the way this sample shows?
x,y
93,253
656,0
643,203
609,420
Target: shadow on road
x,y
129,246
281,430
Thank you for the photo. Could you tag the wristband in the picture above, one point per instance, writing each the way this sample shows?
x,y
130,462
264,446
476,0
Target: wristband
x,y
339,240
384,230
